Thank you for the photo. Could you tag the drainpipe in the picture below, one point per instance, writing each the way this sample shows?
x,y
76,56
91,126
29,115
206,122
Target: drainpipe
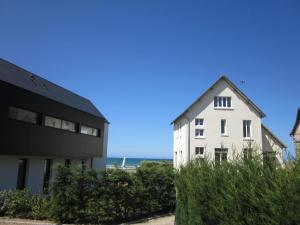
x,y
189,138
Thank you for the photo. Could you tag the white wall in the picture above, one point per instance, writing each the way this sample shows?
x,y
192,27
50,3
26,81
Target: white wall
x,y
8,172
212,125
180,142
35,171
270,144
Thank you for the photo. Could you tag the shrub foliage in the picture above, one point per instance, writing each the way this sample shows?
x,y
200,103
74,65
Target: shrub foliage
x,y
243,192
89,197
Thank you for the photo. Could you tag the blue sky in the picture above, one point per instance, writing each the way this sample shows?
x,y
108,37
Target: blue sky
x,y
143,62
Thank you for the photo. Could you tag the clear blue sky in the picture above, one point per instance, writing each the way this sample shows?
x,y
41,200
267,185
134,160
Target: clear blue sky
x,y
143,62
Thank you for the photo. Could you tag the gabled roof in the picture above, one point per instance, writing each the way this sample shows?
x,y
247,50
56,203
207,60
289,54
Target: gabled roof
x,y
274,136
296,123
21,78
234,87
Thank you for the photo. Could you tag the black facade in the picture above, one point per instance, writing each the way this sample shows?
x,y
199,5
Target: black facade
x,y
24,90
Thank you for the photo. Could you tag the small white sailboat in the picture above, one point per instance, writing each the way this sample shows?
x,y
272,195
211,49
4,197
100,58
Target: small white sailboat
x,y
124,163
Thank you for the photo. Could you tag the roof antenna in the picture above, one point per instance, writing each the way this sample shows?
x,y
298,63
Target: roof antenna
x,y
242,82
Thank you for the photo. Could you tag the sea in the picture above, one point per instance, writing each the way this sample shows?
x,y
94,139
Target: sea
x,y
132,162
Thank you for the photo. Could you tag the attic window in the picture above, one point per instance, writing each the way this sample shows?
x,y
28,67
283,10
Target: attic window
x,y
222,102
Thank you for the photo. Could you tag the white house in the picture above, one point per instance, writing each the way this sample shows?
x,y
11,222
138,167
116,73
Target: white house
x,y
222,123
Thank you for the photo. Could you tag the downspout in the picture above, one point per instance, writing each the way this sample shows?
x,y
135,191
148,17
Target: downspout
x,y
189,138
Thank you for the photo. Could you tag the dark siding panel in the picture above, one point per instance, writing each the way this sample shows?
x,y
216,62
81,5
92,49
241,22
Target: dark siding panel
x,y
19,138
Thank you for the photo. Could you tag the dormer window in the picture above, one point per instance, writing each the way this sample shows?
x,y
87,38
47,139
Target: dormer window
x,y
222,102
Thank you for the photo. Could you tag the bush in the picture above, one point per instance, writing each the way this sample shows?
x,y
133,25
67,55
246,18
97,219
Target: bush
x,y
240,192
82,196
3,203
85,196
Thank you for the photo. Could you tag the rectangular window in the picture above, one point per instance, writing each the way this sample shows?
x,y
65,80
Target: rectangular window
x,y
68,162
47,174
247,128
222,102
89,131
220,155
69,126
199,122
223,127
199,133
199,150
22,172
52,122
23,115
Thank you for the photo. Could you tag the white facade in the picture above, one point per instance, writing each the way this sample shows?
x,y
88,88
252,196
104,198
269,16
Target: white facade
x,y
34,179
207,135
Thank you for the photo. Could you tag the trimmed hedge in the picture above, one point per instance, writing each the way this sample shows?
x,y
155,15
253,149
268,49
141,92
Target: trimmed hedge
x,y
240,193
89,197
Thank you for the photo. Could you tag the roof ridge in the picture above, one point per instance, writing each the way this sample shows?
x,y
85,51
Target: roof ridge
x,y
48,81
20,77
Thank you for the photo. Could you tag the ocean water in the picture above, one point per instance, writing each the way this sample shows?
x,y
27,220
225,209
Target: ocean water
x,y
131,161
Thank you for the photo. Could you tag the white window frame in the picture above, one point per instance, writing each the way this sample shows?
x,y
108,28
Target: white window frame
x,y
199,154
247,136
221,102
199,125
199,136
225,127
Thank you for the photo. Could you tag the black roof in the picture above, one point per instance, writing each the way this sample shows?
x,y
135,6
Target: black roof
x,y
296,123
21,78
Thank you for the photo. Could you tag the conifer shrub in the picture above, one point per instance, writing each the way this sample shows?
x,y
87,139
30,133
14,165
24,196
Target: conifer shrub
x,y
241,192
87,196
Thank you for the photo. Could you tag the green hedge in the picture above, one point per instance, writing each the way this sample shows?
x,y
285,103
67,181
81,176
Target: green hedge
x,y
89,197
240,193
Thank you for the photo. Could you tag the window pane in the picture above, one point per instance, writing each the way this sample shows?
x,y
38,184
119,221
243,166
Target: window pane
x,y
217,157
47,174
23,115
216,101
89,131
67,125
244,129
229,102
95,132
224,156
248,129
220,102
223,125
201,150
22,171
52,122
199,122
224,101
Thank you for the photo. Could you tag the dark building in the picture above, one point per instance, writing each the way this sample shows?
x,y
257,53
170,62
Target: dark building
x,y
44,124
